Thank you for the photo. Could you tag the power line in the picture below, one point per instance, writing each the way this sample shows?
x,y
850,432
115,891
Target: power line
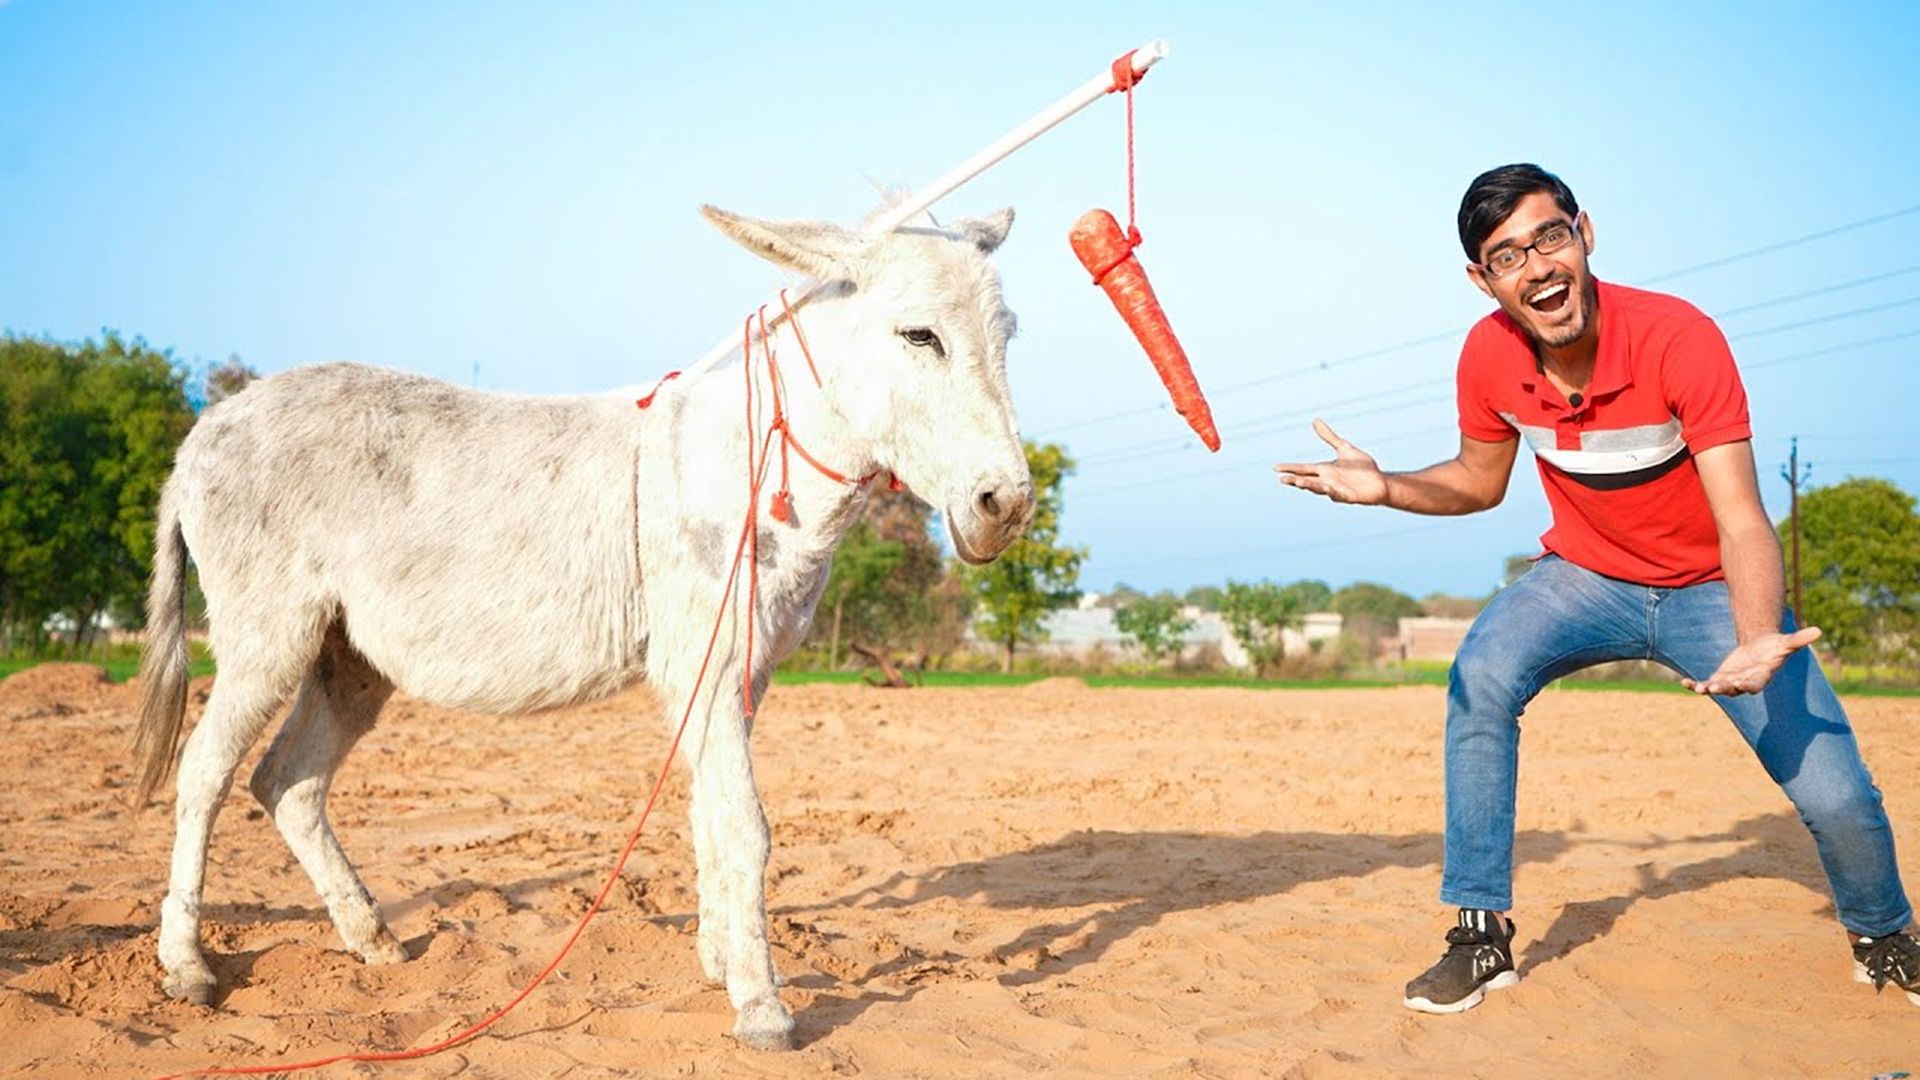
x,y
1288,549
1741,256
1264,423
1728,313
1831,349
1258,425
1385,350
1291,373
1225,467
1835,317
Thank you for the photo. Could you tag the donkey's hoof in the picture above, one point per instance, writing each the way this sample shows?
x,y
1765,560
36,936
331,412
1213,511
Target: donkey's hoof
x,y
764,1024
192,987
386,949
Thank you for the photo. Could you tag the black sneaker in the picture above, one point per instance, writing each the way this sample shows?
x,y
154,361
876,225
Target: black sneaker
x,y
1893,958
1479,958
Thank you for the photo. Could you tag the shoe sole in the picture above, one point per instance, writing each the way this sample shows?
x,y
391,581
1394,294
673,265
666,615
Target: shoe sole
x,y
1860,976
1498,982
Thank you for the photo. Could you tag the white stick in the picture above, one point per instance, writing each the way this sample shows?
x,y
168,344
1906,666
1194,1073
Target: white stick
x,y
1091,91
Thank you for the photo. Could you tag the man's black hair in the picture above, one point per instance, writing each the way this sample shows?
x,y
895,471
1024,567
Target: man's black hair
x,y
1491,197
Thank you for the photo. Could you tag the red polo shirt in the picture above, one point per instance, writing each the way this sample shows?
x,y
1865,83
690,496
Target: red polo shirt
x,y
1618,468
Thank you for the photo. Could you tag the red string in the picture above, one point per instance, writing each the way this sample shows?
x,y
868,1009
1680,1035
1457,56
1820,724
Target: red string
x,y
753,504
648,400
794,322
1133,232
1125,78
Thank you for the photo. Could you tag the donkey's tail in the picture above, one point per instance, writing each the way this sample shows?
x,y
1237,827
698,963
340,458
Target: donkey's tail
x,y
163,664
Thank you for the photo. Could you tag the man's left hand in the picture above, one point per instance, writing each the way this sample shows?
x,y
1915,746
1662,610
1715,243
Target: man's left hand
x,y
1747,668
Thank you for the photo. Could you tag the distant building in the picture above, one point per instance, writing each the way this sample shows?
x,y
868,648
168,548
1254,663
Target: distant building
x,y
1429,638
1082,630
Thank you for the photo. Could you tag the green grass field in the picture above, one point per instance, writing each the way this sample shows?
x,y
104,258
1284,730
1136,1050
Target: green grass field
x,y
1414,675
121,663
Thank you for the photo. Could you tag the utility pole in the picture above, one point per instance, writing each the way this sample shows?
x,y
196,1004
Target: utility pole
x,y
1795,476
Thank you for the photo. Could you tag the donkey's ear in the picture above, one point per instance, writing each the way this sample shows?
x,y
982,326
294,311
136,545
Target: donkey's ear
x,y
987,233
815,248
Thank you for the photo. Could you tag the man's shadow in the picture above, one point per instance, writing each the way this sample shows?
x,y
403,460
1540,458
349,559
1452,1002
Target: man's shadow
x,y
1137,879
1772,846
1145,876
1140,878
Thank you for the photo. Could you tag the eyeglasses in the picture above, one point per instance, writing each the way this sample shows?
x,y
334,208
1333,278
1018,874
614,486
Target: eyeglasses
x,y
1510,259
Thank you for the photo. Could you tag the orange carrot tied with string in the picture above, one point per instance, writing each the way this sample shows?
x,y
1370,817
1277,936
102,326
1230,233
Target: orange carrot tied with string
x,y
1107,253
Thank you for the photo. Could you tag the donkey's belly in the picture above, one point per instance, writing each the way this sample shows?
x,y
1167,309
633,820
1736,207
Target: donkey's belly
x,y
494,658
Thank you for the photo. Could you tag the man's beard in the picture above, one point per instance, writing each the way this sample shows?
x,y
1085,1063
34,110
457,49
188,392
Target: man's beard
x,y
1561,337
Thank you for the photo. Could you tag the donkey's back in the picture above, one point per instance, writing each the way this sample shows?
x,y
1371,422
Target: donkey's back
x,y
478,549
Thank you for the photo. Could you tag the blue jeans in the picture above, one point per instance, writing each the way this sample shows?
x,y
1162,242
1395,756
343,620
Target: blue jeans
x,y
1559,618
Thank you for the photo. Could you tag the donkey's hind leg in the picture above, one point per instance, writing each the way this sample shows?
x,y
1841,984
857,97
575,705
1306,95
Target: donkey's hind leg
x,y
337,704
252,684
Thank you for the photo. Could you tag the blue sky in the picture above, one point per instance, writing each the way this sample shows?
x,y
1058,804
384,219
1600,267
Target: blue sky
x,y
507,195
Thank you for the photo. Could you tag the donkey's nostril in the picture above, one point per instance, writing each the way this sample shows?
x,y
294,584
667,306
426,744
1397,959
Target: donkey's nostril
x,y
990,507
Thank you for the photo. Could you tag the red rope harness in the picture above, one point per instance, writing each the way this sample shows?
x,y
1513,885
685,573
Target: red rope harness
x,y
747,549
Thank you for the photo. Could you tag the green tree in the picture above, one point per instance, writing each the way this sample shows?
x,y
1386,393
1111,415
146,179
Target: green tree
x,y
1370,611
1204,597
1309,595
890,587
1036,574
1445,606
857,581
1860,568
1258,615
87,436
1121,595
225,379
1155,623
1515,566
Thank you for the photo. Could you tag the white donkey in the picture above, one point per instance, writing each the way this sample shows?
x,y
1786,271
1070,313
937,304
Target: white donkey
x,y
358,530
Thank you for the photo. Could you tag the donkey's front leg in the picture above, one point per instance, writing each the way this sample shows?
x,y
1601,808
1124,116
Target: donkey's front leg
x,y
737,828
714,932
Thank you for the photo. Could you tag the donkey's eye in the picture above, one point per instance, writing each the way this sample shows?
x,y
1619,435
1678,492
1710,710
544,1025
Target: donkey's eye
x,y
922,337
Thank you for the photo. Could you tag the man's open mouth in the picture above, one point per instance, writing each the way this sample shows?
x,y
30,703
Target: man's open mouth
x,y
1550,298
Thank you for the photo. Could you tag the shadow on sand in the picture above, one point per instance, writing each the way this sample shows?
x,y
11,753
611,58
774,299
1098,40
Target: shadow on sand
x,y
1140,878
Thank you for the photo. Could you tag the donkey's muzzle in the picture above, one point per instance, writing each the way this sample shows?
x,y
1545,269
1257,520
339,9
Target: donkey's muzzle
x,y
1007,506
996,516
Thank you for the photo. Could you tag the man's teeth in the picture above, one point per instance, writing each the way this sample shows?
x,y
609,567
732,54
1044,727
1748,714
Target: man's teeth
x,y
1547,293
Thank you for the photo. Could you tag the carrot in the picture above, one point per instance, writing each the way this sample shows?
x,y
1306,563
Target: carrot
x,y
1106,253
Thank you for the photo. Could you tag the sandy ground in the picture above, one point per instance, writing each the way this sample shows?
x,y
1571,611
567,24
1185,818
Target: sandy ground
x,y
1049,880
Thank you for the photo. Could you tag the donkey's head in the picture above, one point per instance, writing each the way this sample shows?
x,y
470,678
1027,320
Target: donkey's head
x,y
910,335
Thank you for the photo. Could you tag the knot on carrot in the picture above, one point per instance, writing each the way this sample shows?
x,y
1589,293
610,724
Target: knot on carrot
x,y
1133,240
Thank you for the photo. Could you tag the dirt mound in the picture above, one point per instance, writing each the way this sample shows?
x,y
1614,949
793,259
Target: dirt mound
x,y
54,690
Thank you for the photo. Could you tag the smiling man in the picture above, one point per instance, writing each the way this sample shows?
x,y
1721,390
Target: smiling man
x,y
1659,549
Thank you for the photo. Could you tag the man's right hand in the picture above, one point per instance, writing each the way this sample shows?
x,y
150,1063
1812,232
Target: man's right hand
x,y
1351,477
